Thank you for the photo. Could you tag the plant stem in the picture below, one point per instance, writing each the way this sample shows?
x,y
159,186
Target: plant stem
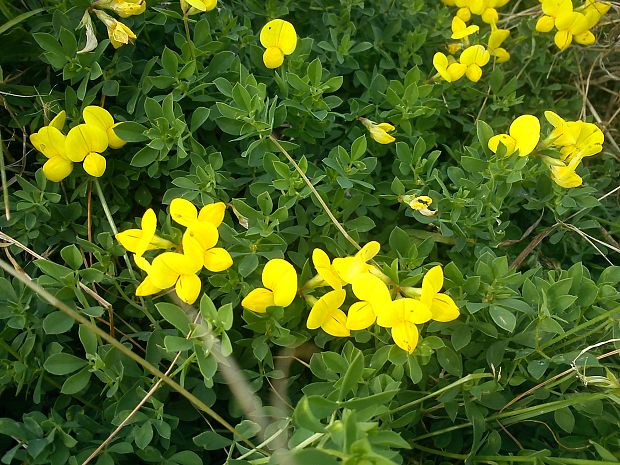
x,y
108,215
5,188
316,193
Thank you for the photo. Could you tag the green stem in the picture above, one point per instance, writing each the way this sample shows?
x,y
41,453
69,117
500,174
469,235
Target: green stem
x,y
188,36
5,187
438,392
28,282
108,215
578,328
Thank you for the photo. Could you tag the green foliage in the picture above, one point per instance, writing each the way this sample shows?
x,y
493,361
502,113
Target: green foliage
x,y
528,371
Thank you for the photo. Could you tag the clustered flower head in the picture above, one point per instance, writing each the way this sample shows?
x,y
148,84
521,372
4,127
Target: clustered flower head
x,y
473,57
197,249
572,140
571,24
279,38
372,300
84,143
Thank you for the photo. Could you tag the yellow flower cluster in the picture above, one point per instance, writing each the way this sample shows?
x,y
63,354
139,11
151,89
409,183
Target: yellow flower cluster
x,y
571,24
83,143
375,304
574,141
379,131
473,57
118,32
197,249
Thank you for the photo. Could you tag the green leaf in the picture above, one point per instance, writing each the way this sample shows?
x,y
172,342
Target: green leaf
x,y
210,440
199,116
503,318
18,19
72,256
207,308
130,131
63,364
313,457
57,323
88,339
175,316
450,361
382,398
186,457
52,269
143,435
353,375
226,316
358,148
75,383
565,419
311,409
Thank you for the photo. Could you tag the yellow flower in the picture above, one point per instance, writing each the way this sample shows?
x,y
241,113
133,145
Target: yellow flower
x,y
421,204
175,269
577,139
140,240
571,24
379,132
84,143
349,268
325,269
523,137
191,7
100,117
474,58
279,38
448,71
464,14
552,9
125,8
51,143
280,280
565,176
461,30
441,306
402,316
495,41
118,33
490,16
203,228
326,314
374,299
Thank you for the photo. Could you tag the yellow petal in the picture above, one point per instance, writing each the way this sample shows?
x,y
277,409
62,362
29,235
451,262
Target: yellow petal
x,y
148,226
431,284
325,269
165,268
473,73
94,164
324,307
183,212
58,121
213,213
504,139
142,263
369,251
114,141
565,177
405,336
490,16
204,233
279,33
188,288
456,71
545,24
98,116
348,268
194,252
443,308
497,37
273,57
280,276
57,168
525,130
147,287
370,288
360,316
258,300
414,311
217,259
336,324
440,62
563,39
130,239
84,139
380,135
421,202
49,141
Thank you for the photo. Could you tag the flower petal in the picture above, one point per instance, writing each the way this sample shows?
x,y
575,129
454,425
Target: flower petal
x,y
336,324
370,288
49,141
431,284
443,309
84,139
280,276
360,316
57,168
258,300
97,116
405,336
204,233
94,164
188,288
213,213
217,259
183,212
325,269
147,287
526,131
148,226
323,307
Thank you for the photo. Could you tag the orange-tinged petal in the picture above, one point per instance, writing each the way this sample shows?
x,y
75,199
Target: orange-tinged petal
x,y
217,259
183,212
258,300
